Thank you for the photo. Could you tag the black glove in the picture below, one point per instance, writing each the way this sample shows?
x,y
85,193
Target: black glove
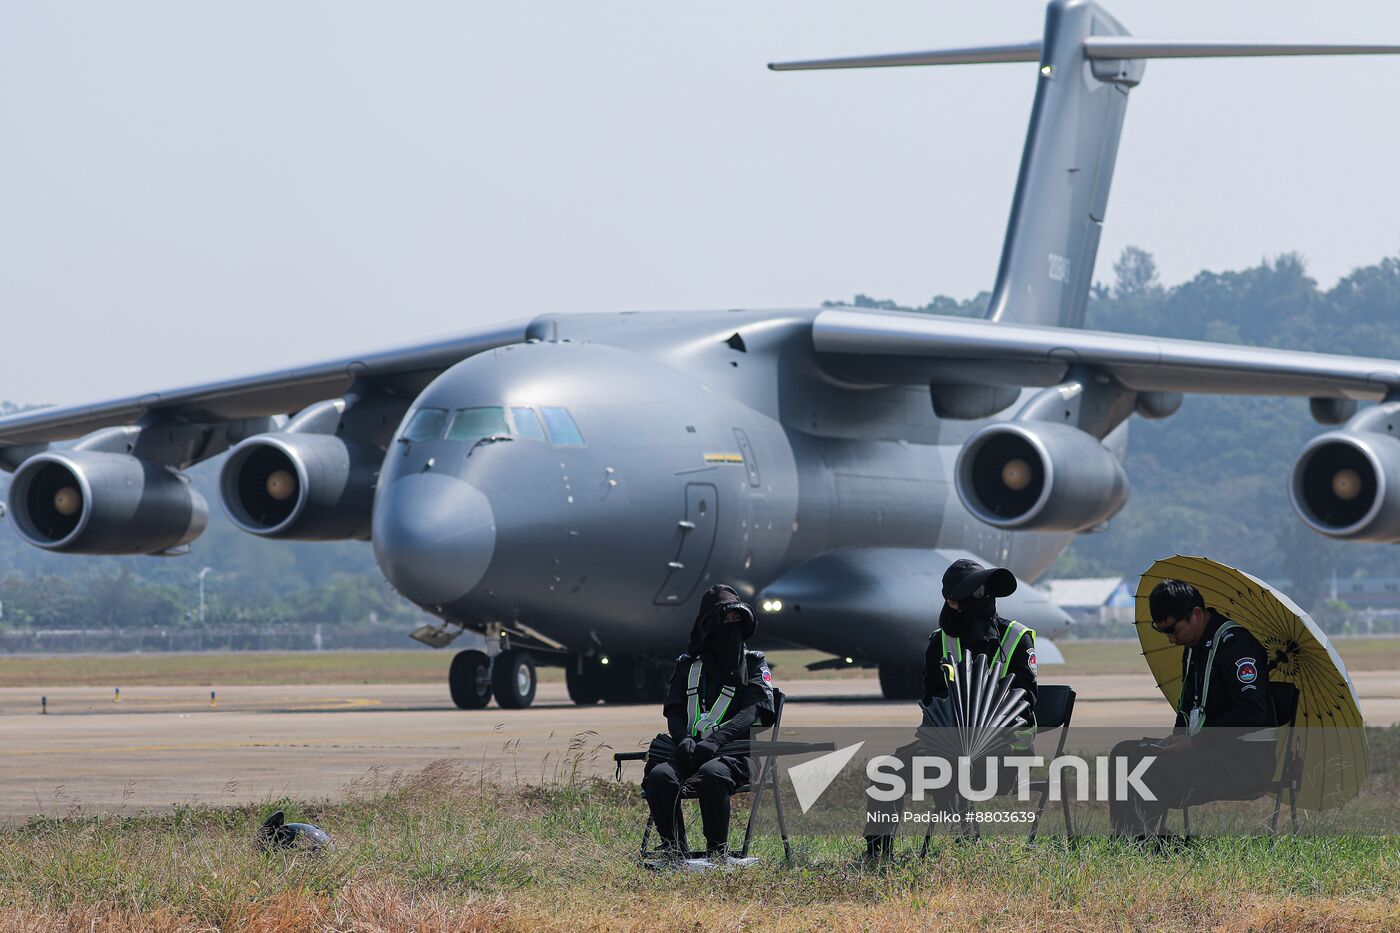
x,y
685,755
704,751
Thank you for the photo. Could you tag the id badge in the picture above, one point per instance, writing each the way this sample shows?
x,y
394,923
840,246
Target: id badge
x,y
1195,721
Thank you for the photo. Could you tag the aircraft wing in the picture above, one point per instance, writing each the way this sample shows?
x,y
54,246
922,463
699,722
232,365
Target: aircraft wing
x,y
404,370
913,348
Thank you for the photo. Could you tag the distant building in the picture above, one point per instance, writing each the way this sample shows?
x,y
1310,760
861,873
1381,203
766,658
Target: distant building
x,y
1092,599
1368,592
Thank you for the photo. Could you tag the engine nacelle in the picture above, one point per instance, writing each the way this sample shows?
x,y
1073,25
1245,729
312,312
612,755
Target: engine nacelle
x,y
1039,476
1346,484
309,487
91,502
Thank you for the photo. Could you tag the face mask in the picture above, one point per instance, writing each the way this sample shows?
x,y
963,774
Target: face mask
x,y
724,648
977,608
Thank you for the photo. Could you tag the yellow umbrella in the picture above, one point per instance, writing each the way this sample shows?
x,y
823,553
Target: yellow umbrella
x,y
1328,724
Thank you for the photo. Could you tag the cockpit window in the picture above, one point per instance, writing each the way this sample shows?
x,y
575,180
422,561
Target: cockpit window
x,y
527,423
562,430
426,425
469,424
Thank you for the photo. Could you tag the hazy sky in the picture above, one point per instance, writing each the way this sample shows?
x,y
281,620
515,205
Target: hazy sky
x,y
198,189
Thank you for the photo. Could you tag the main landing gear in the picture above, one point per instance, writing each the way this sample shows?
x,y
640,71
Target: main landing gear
x,y
614,680
901,681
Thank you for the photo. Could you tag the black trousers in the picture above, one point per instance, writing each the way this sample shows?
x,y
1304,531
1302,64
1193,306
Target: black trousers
x,y
713,783
881,821
1209,770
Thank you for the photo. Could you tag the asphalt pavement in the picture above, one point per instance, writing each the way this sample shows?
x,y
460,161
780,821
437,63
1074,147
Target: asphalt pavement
x,y
165,746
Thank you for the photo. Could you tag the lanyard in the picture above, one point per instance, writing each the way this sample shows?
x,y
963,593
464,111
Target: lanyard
x,y
1196,718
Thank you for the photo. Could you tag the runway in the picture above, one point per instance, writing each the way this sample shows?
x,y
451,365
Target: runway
x,y
165,746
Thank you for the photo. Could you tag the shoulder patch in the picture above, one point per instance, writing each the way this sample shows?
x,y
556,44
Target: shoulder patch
x,y
767,674
1035,669
1246,671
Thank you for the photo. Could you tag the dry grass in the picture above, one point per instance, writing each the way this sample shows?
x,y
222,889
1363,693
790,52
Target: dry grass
x,y
445,849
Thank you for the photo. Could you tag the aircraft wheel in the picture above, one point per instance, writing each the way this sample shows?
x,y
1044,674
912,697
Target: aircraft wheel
x,y
901,681
585,686
513,679
469,679
629,680
660,681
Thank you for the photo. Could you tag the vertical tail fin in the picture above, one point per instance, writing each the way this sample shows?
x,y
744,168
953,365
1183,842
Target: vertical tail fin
x,y
1052,238
1088,63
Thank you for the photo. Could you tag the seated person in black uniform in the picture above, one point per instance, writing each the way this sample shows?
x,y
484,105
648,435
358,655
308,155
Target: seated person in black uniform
x,y
1223,745
718,692
967,624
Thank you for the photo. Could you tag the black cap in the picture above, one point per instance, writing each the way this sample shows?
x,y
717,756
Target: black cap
x,y
967,579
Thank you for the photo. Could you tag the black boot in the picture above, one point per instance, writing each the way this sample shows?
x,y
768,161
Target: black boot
x,y
878,849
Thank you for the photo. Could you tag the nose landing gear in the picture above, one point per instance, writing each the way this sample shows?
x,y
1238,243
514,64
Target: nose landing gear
x,y
513,679
474,678
469,679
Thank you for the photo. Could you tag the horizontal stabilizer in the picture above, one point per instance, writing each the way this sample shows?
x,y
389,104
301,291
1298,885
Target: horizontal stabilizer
x,y
1095,47
987,54
1116,47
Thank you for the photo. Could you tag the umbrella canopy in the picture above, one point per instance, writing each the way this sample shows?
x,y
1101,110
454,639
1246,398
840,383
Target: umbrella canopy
x,y
1328,725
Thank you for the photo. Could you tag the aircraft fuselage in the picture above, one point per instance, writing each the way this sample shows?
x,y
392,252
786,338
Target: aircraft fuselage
x,y
703,458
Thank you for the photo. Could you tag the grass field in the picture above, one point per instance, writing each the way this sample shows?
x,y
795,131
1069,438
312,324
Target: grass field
x,y
447,850
424,666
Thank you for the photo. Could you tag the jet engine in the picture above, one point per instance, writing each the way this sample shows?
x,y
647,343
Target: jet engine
x,y
1346,484
1039,476
308,487
92,502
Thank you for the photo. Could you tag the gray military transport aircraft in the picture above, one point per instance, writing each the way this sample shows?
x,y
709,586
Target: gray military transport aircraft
x,y
564,487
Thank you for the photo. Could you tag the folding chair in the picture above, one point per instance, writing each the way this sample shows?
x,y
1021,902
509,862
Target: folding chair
x,y
767,781
1054,707
1287,774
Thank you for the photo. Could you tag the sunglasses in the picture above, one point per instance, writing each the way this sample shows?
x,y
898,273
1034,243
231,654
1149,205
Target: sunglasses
x,y
1168,629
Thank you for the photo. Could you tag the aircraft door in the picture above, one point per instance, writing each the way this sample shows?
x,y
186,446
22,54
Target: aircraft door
x,y
697,538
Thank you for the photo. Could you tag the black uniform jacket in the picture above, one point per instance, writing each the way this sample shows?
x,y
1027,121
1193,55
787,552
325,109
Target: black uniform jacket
x,y
982,636
1239,684
752,704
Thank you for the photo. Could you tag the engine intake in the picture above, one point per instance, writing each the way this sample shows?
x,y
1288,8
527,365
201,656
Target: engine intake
x,y
1039,476
309,487
91,502
1346,484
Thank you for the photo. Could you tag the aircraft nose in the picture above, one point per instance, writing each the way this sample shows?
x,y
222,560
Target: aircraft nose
x,y
433,536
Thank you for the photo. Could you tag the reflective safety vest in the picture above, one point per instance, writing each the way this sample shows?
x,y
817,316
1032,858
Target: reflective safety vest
x,y
1009,640
703,722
